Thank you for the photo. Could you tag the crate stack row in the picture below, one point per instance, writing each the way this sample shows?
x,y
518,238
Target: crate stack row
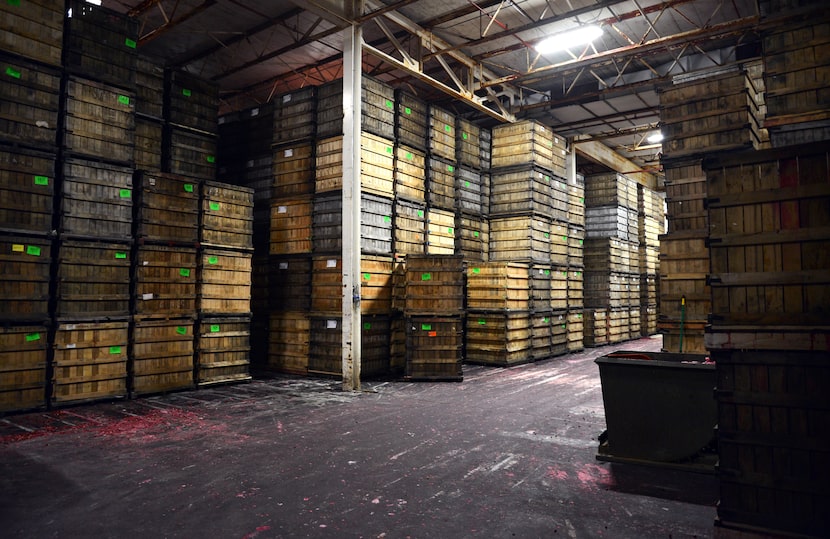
x,y
651,206
72,96
612,259
769,335
699,117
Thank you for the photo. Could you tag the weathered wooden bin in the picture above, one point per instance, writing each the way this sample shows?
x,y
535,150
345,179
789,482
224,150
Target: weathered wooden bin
x,y
326,348
23,359
224,285
434,285
191,102
499,338
93,280
162,355
29,102
294,116
375,285
293,171
411,121
24,289
189,153
434,348
440,232
503,286
290,283
99,120
33,29
167,208
291,225
97,201
410,174
227,216
409,228
441,133
165,281
224,350
27,188
148,154
288,341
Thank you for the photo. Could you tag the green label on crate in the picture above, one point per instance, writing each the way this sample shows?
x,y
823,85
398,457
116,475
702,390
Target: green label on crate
x,y
482,322
184,272
464,136
466,184
547,235
475,233
33,250
367,276
420,213
407,110
115,350
579,315
130,43
564,326
409,156
125,193
186,92
426,327
390,104
450,231
214,328
367,325
32,337
389,149
582,200
387,218
181,330
564,238
476,270
565,273
547,272
214,206
581,242
213,260
188,188
121,256
14,3
41,180
450,168
123,99
545,320
12,72
447,128
578,273
211,158
426,276
547,178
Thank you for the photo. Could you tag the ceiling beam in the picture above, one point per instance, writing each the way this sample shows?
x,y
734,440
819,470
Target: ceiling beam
x,y
602,154
169,25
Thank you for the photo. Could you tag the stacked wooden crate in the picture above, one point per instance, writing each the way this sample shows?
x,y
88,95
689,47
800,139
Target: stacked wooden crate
x,y
652,218
31,36
724,106
769,336
612,259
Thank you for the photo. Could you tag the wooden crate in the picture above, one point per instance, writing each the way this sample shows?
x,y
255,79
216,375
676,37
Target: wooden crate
x,y
33,29
524,142
576,330
165,281
604,289
682,337
649,259
648,319
163,355
410,174
294,115
768,215
326,349
409,228
224,285
376,165
29,103
149,86
468,143
375,228
651,203
595,327
434,284
685,195
522,190
293,170
25,264
559,333
411,121
440,232
618,327
375,285
440,186
191,102
290,283
498,338
288,340
23,359
772,455
27,187
189,153
540,335
611,222
93,280
559,293
291,225
576,205
99,120
441,133
648,289
470,197
97,201
649,231
377,108
576,288
576,246
522,239
227,216
224,350
101,44
434,348
167,208
90,361
610,253
503,286
612,189
148,143
472,240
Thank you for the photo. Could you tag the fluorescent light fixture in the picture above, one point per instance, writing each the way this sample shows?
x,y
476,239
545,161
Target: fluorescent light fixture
x,y
96,2
572,38
655,138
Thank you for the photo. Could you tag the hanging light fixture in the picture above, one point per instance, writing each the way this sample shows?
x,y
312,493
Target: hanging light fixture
x,y
566,40
655,138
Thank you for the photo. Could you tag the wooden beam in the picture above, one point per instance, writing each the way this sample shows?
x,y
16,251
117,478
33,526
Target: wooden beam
x,y
602,154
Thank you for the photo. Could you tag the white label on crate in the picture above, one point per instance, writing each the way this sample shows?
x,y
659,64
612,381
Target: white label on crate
x,y
331,263
541,271
289,152
146,297
283,265
70,346
221,120
331,324
152,181
250,163
69,327
42,124
286,98
282,209
145,263
255,112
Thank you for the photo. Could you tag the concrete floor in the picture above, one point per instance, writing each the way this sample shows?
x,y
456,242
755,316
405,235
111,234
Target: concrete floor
x,y
506,453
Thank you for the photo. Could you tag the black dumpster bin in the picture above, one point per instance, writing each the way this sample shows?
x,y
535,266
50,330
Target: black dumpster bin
x,y
659,407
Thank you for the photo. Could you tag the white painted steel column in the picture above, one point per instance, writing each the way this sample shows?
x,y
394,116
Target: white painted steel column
x,y
352,75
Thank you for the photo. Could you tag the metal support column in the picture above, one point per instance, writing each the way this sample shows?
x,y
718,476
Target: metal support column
x,y
352,75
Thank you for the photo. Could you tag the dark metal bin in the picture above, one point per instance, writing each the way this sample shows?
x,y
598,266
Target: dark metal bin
x,y
659,407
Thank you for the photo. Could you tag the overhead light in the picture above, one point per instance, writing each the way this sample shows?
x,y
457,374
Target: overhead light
x,y
572,38
655,138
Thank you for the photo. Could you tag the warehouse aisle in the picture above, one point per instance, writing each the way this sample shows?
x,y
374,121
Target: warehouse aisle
x,y
505,453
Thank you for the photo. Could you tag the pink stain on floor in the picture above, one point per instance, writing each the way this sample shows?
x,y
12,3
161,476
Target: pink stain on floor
x,y
592,475
555,473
